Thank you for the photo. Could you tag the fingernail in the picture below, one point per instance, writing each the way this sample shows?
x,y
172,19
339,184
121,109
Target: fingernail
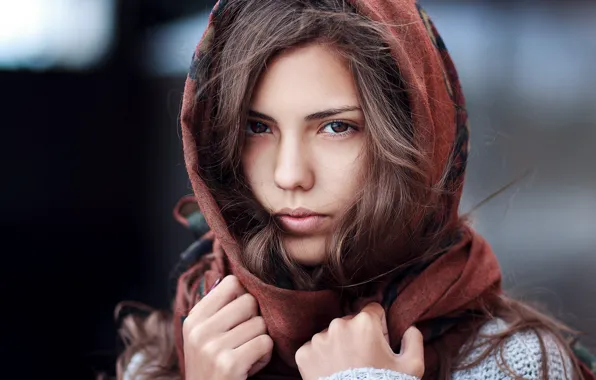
x,y
214,284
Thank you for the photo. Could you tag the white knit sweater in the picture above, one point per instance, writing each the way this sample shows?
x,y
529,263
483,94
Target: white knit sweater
x,y
521,353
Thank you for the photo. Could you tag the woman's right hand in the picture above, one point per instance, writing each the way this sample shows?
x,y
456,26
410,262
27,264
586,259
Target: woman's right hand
x,y
224,336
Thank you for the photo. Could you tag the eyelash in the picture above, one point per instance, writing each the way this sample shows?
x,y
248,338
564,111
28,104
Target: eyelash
x,y
250,132
351,128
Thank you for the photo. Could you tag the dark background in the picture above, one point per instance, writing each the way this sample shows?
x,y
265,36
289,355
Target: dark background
x,y
92,166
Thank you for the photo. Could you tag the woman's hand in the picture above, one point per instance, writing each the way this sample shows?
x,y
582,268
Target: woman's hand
x,y
224,337
360,341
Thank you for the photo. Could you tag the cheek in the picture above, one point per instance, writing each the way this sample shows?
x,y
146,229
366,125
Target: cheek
x,y
256,165
340,166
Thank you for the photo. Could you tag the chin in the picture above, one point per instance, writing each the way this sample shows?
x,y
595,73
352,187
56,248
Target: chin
x,y
306,250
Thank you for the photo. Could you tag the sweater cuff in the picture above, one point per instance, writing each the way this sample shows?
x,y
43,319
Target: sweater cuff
x,y
369,374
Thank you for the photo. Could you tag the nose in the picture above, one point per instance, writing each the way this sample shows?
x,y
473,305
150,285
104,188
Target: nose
x,y
293,170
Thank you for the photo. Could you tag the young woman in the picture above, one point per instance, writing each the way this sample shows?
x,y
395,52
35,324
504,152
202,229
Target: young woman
x,y
326,142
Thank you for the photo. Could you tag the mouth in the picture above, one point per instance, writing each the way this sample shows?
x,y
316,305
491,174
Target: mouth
x,y
300,221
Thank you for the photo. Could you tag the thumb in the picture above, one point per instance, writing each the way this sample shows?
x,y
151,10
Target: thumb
x,y
412,344
411,356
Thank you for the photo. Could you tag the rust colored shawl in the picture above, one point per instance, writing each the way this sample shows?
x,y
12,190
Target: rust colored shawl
x,y
458,283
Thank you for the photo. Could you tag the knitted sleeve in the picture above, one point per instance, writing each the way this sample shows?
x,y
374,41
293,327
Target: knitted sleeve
x,y
369,374
521,354
521,357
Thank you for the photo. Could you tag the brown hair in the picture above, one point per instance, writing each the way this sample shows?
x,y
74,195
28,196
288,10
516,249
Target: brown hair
x,y
394,182
381,226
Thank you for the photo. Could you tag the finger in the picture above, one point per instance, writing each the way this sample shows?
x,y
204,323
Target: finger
x,y
257,350
260,364
243,333
228,290
302,355
231,315
412,344
376,310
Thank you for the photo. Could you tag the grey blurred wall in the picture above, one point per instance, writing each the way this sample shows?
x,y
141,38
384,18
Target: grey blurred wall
x,y
529,73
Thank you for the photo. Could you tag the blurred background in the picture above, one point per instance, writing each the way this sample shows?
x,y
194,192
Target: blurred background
x,y
92,165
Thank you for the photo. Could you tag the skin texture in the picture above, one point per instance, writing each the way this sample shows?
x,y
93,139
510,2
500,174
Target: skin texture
x,y
360,341
294,161
224,338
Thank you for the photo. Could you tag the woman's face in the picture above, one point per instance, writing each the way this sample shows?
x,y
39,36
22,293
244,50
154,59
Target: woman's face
x,y
304,141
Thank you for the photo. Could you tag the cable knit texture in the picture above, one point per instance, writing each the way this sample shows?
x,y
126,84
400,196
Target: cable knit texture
x,y
370,374
521,353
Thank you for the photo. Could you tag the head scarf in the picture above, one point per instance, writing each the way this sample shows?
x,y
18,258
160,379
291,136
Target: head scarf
x,y
456,285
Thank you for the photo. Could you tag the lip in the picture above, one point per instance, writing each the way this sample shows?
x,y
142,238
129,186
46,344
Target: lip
x,y
300,220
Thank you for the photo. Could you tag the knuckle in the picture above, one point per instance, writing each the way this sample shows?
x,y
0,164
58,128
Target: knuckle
x,y
231,281
260,323
336,324
417,334
376,307
250,302
373,310
209,349
318,338
364,320
194,337
186,327
224,363
190,321
361,316
301,355
265,342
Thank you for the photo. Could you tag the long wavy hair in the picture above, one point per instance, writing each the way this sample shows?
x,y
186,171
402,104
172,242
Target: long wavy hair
x,y
379,232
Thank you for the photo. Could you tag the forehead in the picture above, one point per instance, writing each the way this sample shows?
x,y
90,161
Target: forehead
x,y
307,77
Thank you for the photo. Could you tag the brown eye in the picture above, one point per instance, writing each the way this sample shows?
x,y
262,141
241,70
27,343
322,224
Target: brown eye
x,y
337,127
256,128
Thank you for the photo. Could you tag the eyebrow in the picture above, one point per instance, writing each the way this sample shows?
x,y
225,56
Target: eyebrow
x,y
313,116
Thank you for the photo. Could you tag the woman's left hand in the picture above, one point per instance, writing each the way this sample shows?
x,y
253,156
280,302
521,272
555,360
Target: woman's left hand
x,y
360,341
